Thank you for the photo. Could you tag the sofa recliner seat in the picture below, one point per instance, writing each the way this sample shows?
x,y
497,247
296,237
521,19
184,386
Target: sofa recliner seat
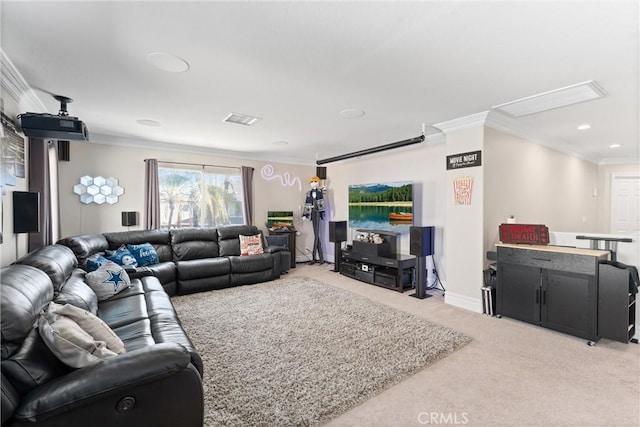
x,y
191,259
158,381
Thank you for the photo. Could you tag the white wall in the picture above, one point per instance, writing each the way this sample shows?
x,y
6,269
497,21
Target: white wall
x,y
464,223
538,185
14,245
127,165
422,164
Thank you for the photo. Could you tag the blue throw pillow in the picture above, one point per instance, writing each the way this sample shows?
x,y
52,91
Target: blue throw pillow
x,y
145,254
94,262
123,257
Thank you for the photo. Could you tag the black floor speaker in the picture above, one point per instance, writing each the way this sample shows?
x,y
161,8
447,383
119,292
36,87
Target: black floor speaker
x,y
421,241
337,231
421,245
421,279
337,235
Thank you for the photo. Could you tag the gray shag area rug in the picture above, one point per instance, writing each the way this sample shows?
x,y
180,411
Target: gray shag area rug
x,y
298,352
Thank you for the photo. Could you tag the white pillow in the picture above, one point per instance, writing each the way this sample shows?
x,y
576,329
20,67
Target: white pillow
x,y
74,345
251,245
108,280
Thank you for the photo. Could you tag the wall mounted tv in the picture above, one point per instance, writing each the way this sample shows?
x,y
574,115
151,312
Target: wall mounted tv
x,y
381,206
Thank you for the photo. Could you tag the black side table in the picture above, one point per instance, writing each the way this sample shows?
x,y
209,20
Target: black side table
x,y
291,234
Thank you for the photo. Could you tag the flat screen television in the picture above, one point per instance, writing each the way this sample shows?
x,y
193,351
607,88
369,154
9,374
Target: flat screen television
x,y
381,206
279,219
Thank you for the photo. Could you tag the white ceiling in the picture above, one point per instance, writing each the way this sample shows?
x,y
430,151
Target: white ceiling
x,y
297,65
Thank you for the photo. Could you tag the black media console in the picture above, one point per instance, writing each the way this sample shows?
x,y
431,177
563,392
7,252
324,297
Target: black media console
x,y
379,263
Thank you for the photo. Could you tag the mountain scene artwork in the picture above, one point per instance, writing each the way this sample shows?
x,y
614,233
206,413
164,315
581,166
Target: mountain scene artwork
x,y
381,206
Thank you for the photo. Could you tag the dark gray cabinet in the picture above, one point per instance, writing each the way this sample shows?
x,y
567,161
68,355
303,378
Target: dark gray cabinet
x,y
568,303
616,303
519,295
554,287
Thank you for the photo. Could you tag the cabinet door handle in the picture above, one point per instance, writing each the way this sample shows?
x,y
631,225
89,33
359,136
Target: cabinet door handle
x,y
541,259
537,296
544,297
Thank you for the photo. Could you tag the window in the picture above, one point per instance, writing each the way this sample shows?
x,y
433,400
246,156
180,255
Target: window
x,y
199,196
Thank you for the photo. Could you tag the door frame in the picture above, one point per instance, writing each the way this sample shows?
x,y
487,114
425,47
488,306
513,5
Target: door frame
x,y
614,177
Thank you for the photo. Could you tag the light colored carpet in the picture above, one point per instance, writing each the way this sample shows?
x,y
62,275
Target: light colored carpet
x,y
299,352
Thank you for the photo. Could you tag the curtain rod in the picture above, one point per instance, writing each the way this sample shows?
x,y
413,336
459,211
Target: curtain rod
x,y
196,164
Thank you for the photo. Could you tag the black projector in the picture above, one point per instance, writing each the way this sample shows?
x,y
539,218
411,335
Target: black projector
x,y
48,126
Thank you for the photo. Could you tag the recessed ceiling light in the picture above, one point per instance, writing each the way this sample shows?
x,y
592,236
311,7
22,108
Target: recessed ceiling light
x,y
241,119
280,143
168,62
584,126
552,99
352,113
615,146
149,122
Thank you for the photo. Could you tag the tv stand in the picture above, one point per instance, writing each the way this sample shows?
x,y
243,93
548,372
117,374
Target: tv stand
x,y
394,272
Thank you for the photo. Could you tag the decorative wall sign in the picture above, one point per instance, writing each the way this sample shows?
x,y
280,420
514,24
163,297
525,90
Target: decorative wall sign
x,y
463,190
268,173
98,190
464,160
12,153
532,234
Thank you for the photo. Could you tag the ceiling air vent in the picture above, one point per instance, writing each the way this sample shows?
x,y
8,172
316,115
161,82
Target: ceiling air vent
x,y
553,99
241,119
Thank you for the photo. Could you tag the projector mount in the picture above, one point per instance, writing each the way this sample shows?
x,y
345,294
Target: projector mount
x,y
63,104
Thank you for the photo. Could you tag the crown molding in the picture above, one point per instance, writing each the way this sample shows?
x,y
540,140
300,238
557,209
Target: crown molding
x,y
473,120
126,141
506,124
619,161
14,85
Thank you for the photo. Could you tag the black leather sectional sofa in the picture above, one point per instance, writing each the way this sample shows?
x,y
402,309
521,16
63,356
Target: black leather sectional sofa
x,y
192,259
157,382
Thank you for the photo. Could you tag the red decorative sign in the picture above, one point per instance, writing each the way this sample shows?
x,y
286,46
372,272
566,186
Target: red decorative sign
x,y
532,234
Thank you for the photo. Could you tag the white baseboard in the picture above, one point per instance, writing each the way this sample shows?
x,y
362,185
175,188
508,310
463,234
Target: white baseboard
x,y
462,301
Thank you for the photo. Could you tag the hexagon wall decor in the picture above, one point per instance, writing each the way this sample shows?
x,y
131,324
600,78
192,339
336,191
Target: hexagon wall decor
x,y
98,190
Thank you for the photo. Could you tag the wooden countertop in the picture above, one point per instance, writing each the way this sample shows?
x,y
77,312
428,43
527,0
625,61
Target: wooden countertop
x,y
558,249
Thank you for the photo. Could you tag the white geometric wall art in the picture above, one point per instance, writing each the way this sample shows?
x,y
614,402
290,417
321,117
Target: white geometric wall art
x,y
98,190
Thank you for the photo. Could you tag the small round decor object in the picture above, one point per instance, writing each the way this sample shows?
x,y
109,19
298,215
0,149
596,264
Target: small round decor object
x,y
126,404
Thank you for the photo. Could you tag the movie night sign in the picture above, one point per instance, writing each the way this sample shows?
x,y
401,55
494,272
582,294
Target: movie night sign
x,y
464,160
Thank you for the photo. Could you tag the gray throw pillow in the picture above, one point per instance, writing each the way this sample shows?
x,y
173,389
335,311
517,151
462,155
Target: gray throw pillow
x,y
108,280
77,292
77,337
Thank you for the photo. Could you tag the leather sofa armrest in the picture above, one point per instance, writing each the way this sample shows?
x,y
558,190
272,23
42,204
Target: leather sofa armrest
x,y
138,272
274,249
112,376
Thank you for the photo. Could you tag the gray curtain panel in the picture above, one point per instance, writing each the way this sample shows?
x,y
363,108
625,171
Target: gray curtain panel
x,y
151,195
247,191
43,179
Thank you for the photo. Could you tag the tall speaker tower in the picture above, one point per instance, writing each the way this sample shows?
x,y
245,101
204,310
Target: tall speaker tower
x,y
421,245
337,235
